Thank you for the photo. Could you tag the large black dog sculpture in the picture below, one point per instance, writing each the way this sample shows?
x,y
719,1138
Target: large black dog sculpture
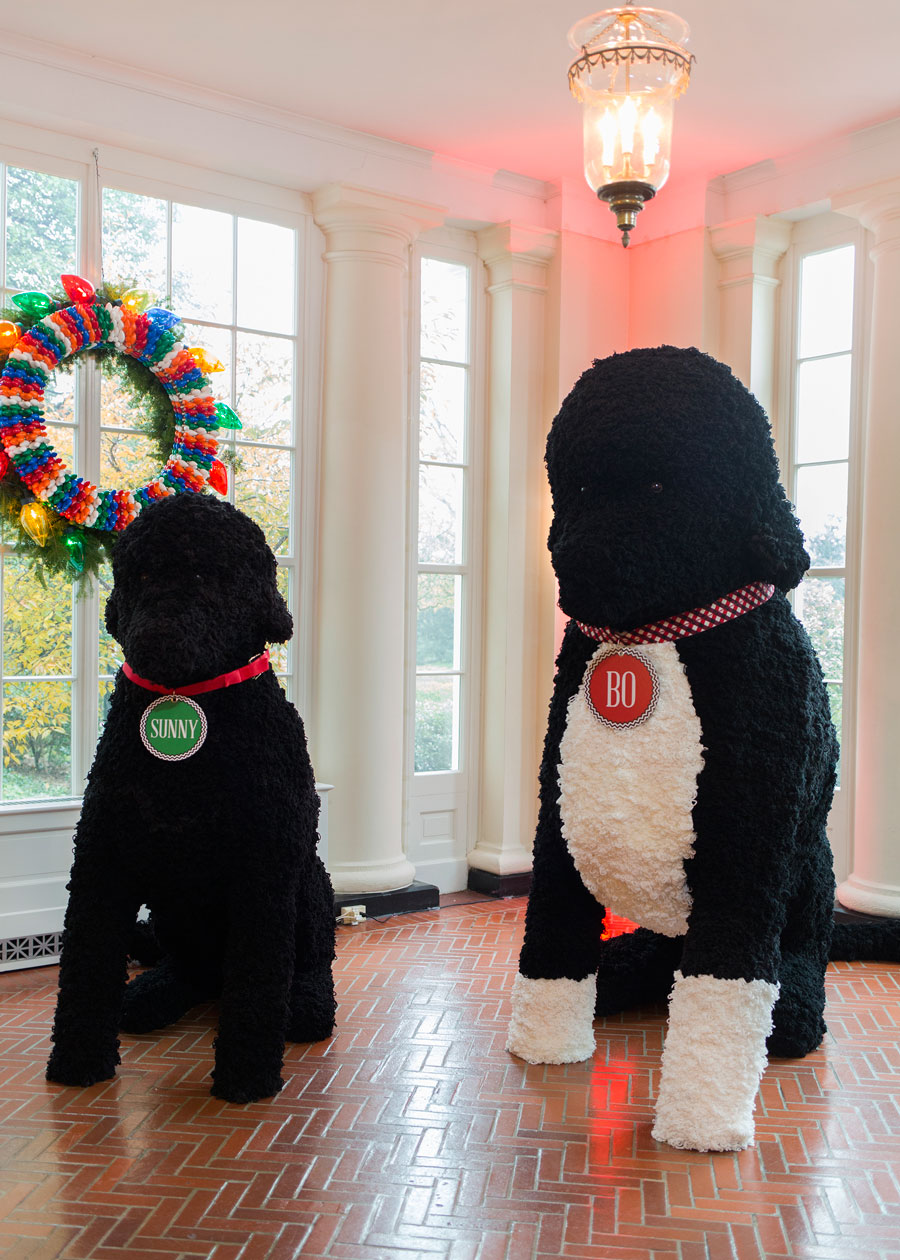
x,y
219,843
690,758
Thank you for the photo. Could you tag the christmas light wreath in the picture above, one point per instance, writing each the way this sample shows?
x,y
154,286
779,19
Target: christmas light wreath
x,y
82,519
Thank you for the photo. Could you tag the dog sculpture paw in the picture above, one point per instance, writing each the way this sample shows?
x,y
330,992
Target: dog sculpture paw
x,y
312,1008
72,1070
552,1020
244,1087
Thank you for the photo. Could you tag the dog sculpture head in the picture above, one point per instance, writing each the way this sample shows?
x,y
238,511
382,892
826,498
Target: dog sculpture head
x,y
665,490
194,591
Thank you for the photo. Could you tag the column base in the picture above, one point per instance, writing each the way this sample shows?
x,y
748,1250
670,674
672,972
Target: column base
x,y
351,879
514,860
517,884
880,900
843,915
415,896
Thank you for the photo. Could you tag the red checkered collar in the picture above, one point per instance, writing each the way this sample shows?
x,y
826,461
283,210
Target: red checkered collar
x,y
683,625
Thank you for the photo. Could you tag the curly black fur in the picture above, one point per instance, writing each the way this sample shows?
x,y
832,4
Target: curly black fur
x,y
665,490
221,846
666,497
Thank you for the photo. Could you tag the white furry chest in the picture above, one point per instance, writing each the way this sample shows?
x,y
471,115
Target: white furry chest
x,y
627,795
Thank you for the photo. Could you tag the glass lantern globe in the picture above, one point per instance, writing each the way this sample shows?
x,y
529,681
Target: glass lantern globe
x,y
632,67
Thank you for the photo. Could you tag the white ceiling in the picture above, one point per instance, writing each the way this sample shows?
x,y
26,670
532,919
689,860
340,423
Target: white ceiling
x,y
485,80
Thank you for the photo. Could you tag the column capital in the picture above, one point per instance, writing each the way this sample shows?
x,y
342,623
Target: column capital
x,y
876,207
749,249
362,223
515,256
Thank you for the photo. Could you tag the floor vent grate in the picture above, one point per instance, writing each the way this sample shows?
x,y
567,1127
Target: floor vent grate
x,y
26,948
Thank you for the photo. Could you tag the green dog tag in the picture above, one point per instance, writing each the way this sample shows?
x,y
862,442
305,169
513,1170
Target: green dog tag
x,y
173,728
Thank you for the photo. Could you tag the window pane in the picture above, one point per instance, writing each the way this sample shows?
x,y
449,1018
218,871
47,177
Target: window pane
x,y
63,439
265,386
106,689
437,724
826,302
265,276
822,508
59,397
819,603
438,613
127,460
445,310
442,413
262,489
41,218
202,263
823,410
217,342
119,407
440,515
37,621
37,739
134,240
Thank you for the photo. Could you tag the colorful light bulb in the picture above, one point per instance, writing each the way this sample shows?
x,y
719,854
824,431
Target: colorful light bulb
x,y
78,289
75,548
35,520
226,417
33,302
136,300
162,318
218,477
4,463
204,362
9,334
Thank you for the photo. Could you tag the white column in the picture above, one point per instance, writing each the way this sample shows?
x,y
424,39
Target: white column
x,y
874,884
518,580
748,253
359,687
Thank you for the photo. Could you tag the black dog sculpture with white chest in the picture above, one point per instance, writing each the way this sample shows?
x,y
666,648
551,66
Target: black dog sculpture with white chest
x,y
204,808
690,758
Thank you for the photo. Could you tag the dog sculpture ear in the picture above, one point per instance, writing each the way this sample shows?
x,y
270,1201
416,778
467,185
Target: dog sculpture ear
x,y
279,624
776,546
111,615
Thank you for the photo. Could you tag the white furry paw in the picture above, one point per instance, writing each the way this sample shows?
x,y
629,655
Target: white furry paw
x,y
714,1056
552,1020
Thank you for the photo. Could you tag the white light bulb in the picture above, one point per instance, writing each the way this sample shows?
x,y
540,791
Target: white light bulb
x,y
628,115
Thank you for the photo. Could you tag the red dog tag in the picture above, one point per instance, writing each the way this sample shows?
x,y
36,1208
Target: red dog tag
x,y
622,689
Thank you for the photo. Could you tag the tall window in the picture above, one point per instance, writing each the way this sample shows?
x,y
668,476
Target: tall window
x,y
444,573
443,545
40,240
233,280
823,426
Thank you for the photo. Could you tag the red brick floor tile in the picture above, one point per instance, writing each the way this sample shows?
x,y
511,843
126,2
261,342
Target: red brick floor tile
x,y
413,1134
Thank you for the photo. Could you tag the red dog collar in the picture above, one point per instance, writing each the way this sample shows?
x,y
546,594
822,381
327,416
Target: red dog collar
x,y
258,665
684,625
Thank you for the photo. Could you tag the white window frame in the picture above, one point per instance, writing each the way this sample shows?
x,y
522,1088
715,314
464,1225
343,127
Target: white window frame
x,y
814,235
452,794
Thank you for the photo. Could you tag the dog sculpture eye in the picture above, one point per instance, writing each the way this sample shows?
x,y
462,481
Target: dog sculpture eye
x,y
656,487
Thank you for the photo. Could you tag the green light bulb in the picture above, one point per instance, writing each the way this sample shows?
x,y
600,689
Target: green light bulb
x,y
227,417
75,548
33,302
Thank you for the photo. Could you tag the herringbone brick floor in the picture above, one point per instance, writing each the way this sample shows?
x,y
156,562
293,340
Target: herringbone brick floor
x,y
414,1134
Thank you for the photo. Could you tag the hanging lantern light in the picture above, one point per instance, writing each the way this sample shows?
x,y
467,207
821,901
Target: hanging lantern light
x,y
631,68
